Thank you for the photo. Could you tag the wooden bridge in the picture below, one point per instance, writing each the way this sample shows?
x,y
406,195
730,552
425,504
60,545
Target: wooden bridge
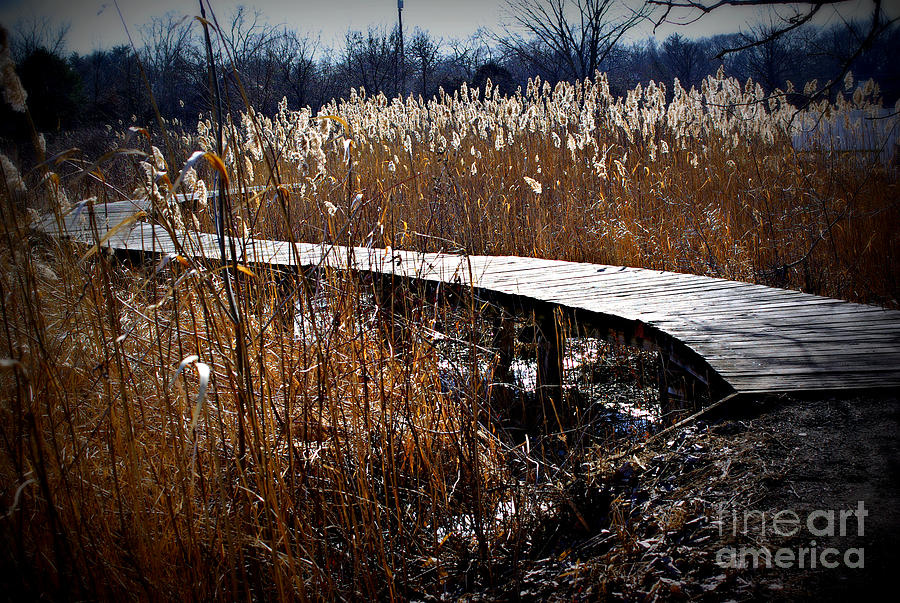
x,y
727,336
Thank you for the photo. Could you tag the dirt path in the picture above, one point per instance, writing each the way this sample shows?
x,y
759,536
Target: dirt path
x,y
845,454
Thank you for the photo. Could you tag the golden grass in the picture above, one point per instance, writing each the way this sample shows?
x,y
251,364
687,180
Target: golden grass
x,y
330,463
707,183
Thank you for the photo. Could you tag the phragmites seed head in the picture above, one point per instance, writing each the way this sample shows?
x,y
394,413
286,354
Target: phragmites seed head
x,y
200,193
14,181
13,91
694,160
158,160
149,172
534,184
870,88
810,88
190,179
44,271
57,193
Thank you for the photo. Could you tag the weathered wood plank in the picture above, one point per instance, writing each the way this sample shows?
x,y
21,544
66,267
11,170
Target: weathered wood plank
x,y
758,339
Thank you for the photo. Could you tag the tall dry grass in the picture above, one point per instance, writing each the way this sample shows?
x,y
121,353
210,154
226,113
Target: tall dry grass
x,y
704,181
175,429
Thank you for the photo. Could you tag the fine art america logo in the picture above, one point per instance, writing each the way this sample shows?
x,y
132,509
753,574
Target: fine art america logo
x,y
820,523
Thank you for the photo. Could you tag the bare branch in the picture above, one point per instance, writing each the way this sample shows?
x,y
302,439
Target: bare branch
x,y
878,24
566,38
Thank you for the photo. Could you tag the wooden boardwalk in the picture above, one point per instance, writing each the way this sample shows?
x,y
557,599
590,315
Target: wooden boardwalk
x,y
747,338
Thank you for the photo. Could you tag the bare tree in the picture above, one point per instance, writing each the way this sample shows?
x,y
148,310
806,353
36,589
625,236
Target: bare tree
x,y
38,32
425,53
370,60
773,61
295,57
467,55
626,66
829,48
684,59
249,39
567,39
169,58
112,85
331,73
793,15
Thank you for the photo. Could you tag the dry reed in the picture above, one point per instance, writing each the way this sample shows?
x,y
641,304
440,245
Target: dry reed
x,y
324,458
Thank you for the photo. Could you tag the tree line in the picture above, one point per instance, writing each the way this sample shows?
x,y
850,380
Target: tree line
x,y
261,63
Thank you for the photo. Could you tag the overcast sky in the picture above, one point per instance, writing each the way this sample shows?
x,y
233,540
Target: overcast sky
x,y
96,24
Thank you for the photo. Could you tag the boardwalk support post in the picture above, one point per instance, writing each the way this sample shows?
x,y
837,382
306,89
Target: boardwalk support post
x,y
550,350
287,283
390,298
505,344
681,387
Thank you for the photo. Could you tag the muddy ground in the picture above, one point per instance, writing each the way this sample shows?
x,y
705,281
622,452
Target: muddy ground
x,y
689,515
